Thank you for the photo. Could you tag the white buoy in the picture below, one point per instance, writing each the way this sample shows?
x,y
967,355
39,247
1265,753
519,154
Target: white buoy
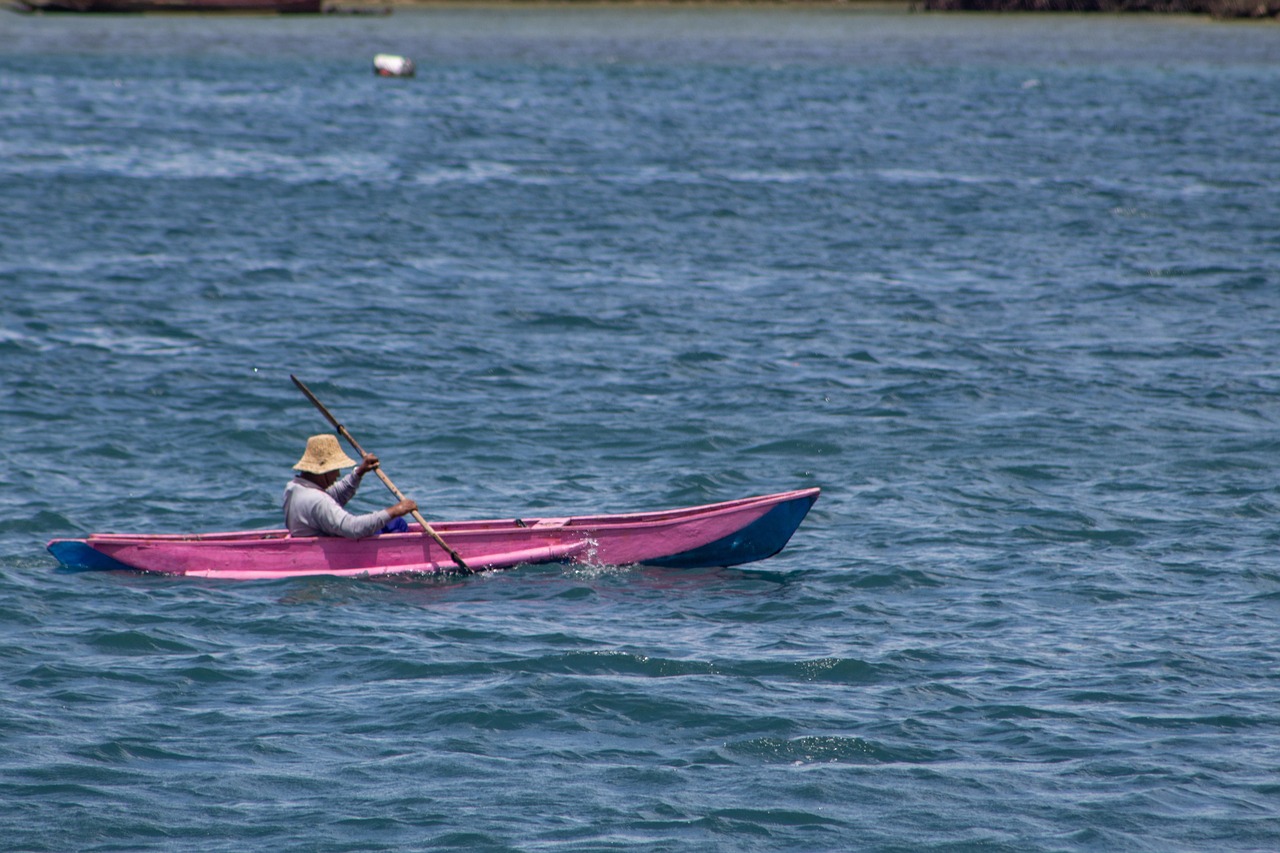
x,y
390,65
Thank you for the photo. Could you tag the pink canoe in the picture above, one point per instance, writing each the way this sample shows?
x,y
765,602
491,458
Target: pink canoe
x,y
721,534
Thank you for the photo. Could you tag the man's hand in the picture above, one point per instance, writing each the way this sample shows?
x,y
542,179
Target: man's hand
x,y
405,507
367,464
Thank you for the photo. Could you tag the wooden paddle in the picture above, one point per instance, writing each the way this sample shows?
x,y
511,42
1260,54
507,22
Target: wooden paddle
x,y
417,516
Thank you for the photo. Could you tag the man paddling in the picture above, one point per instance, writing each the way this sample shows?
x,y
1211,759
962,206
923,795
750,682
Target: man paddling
x,y
315,499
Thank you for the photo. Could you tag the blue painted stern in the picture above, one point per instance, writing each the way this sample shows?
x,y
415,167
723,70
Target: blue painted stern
x,y
760,539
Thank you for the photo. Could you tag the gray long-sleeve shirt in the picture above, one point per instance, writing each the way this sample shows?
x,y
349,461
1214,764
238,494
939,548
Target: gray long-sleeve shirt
x,y
312,511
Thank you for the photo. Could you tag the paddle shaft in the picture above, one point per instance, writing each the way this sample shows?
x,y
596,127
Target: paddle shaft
x,y
386,481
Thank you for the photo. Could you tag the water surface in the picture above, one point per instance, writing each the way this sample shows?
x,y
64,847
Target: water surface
x,y
1005,287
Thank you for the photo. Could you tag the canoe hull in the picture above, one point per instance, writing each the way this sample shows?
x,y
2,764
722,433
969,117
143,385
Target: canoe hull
x,y
723,534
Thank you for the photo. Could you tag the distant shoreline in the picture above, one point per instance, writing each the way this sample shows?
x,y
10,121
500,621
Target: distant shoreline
x,y
1256,9
1219,9
1214,8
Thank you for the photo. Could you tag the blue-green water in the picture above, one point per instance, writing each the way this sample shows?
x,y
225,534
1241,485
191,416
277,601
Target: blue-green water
x,y
1005,287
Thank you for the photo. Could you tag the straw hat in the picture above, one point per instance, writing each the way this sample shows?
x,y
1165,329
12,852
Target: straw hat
x,y
323,455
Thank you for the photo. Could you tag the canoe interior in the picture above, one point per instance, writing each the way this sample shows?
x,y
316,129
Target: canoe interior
x,y
521,523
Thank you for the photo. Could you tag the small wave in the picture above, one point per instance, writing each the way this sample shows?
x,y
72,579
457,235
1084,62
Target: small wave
x,y
773,176
41,524
129,751
499,719
896,579
737,820
1119,537
815,671
929,176
14,342
614,663
125,343
177,162
831,749
1227,722
565,322
136,643
482,172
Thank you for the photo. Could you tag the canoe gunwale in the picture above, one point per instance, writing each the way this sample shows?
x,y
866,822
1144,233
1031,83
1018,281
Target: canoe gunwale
x,y
634,519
